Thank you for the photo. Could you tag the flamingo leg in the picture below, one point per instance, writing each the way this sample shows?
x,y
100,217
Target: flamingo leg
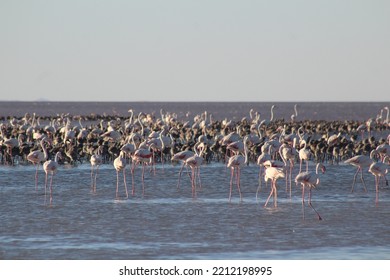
x,y
354,178
291,168
239,182
303,202
231,183
275,194
96,173
36,177
200,182
376,189
92,179
260,181
132,170
117,184
46,185
270,194
319,217
124,181
193,181
143,178
51,188
361,177
181,170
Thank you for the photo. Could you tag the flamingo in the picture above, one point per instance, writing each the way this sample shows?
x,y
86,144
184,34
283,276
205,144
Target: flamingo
x,y
96,160
379,169
235,163
194,163
36,157
295,115
310,180
143,156
261,160
287,153
51,166
360,161
273,173
120,165
304,155
182,156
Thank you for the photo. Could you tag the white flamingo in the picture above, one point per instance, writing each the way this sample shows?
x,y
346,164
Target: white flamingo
x,y
379,169
273,174
310,180
36,157
120,165
304,155
51,166
194,163
361,162
143,155
96,160
235,163
182,156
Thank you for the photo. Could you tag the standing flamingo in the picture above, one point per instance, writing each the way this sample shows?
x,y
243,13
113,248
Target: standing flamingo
x,y
143,156
96,160
120,165
273,173
287,153
235,163
51,166
182,156
304,155
360,161
310,180
379,169
36,157
194,163
261,160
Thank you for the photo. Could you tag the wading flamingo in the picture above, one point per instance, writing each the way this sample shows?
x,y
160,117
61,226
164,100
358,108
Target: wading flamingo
x,y
182,156
36,157
96,160
273,173
194,163
310,180
235,163
51,166
361,162
120,165
379,169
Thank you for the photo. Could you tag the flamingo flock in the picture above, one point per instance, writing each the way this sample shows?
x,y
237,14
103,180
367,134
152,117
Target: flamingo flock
x,y
276,146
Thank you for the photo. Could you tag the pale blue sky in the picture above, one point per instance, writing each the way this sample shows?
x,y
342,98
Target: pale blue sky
x,y
203,50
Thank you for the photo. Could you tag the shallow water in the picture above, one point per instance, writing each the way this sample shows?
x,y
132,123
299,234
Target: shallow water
x,y
169,223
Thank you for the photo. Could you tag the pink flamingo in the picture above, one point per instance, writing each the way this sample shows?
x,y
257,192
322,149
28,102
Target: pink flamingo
x,y
379,169
235,163
182,156
360,161
36,157
120,165
143,156
310,180
194,163
51,166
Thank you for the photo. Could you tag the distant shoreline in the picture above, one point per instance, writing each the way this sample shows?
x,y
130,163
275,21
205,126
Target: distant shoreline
x,y
220,110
